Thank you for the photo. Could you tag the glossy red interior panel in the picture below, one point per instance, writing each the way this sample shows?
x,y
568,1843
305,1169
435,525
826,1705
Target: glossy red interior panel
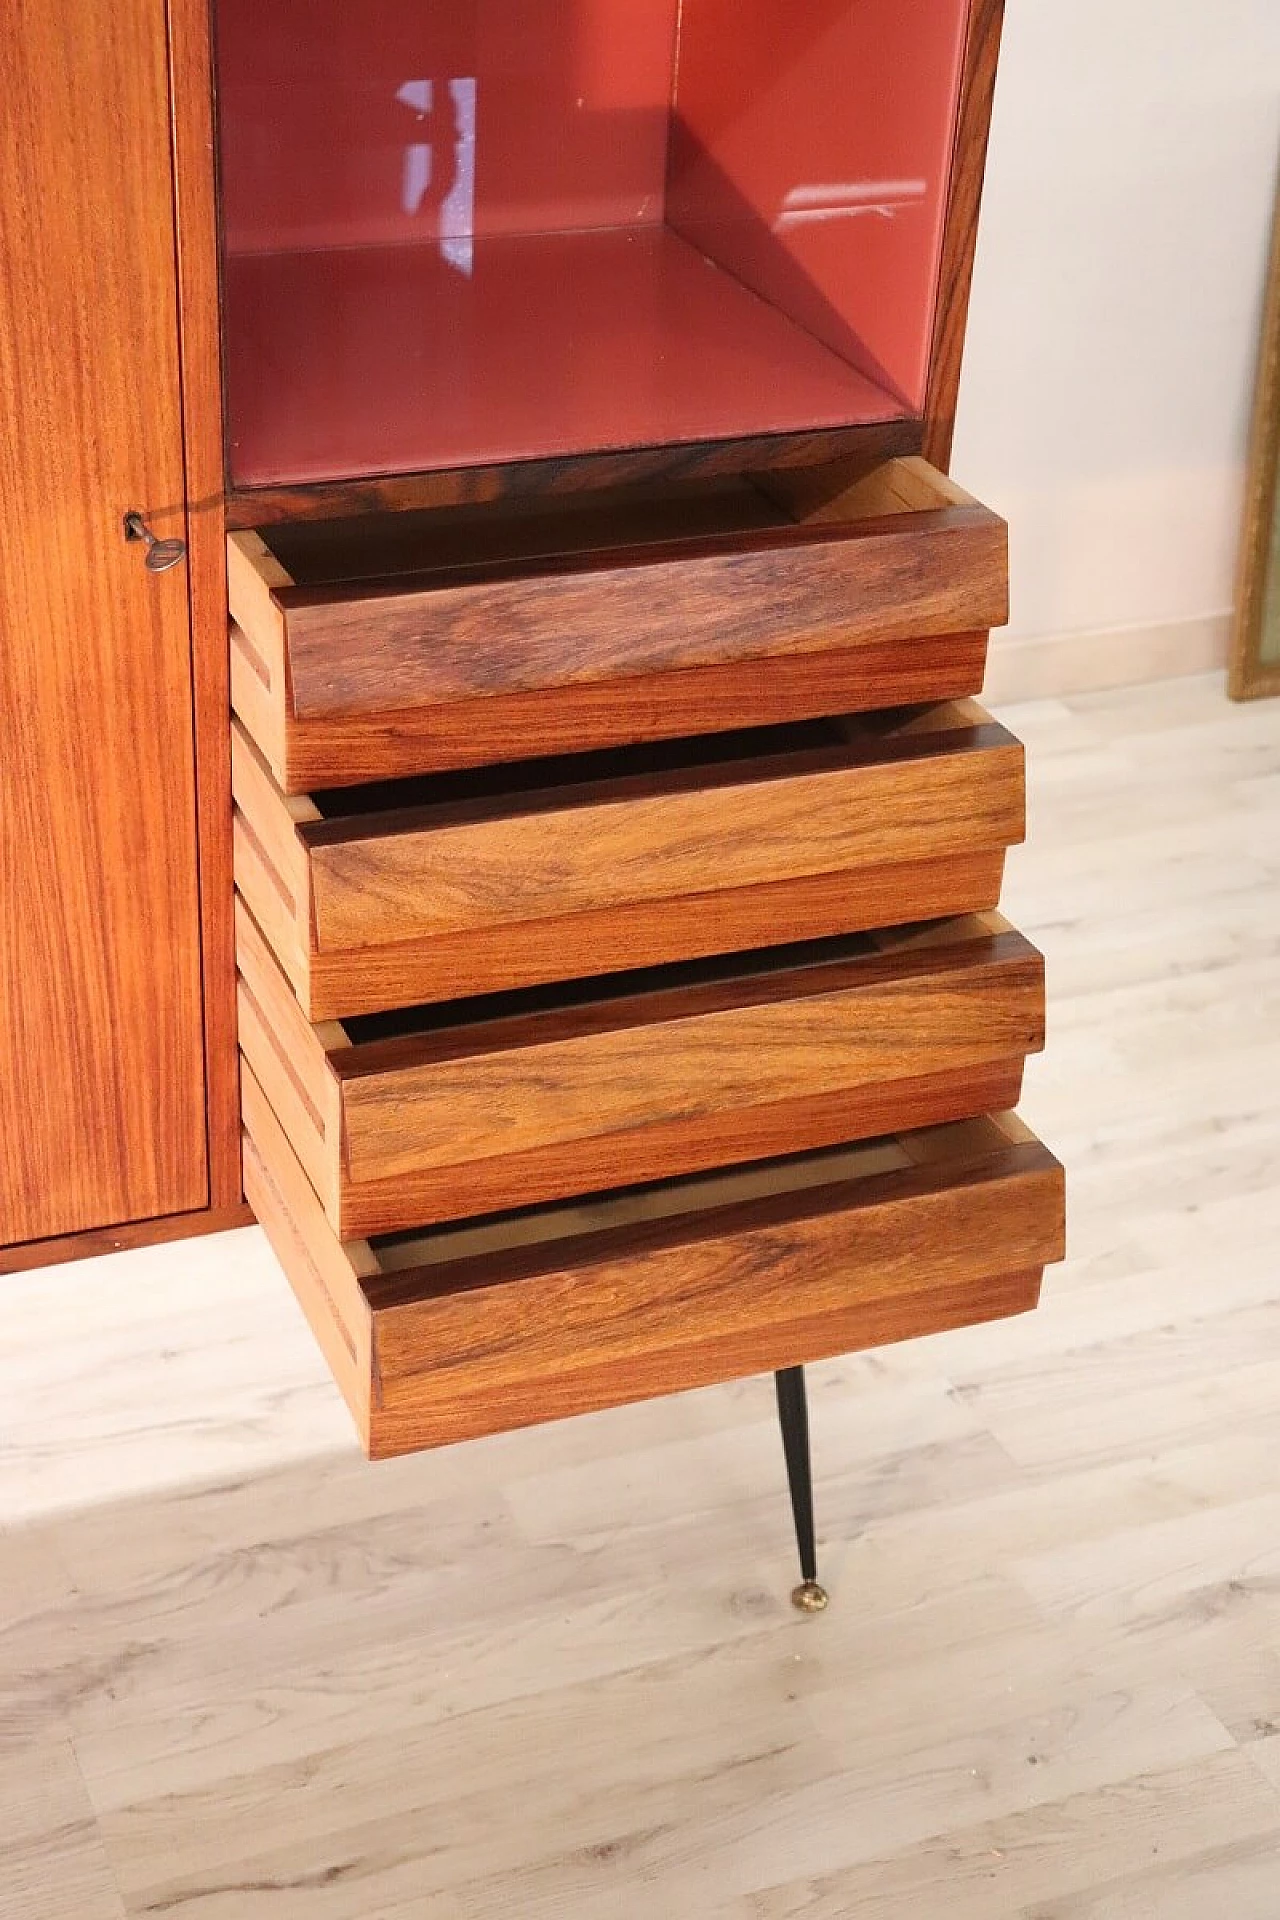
x,y
362,122
810,154
465,231
552,344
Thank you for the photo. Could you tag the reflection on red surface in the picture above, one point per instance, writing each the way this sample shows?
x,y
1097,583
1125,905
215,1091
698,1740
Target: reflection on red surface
x,y
443,223
318,107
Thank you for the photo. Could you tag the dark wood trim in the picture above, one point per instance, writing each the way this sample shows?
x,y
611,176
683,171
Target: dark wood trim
x,y
30,1254
334,749
960,236
471,486
191,101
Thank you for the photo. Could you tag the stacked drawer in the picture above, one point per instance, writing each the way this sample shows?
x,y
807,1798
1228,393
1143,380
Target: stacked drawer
x,y
622,1000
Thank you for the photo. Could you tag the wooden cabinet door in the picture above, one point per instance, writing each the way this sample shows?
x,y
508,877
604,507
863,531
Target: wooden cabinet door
x,y
101,1069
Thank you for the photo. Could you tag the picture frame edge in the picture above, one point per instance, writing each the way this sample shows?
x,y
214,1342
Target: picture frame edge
x,y
1248,677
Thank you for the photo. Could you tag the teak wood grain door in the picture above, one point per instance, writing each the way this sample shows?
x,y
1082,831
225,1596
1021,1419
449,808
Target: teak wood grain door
x,y
101,1071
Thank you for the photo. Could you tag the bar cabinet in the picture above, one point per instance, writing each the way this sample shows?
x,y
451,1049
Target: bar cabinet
x,y
491,769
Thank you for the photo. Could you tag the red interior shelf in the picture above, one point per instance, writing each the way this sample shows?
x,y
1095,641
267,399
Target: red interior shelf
x,y
368,360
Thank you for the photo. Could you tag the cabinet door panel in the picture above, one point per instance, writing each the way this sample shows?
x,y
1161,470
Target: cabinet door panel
x,y
101,1071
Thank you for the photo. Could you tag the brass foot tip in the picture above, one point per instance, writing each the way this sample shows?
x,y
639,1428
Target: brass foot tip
x,y
811,1598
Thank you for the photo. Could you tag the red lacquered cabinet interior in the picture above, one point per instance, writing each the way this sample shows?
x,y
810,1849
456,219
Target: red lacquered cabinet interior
x,y
506,669
459,234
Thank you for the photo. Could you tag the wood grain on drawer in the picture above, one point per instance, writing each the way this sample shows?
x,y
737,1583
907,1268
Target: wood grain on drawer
x,y
728,843
435,1114
468,1330
369,651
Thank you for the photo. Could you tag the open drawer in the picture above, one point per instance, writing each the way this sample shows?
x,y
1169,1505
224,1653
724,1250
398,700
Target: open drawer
x,y
406,643
440,1112
473,883
445,1335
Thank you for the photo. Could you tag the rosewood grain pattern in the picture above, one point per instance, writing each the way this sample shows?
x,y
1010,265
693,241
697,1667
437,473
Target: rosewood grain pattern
x,y
303,1097
550,624
666,1149
960,235
277,910
907,818
643,933
341,749
780,977
333,1336
102,1091
418,1412
651,772
511,869
342,680
433,1353
728,1268
270,862
564,476
734,1063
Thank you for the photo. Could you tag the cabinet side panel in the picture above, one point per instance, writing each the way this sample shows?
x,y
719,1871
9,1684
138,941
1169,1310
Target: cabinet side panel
x,y
101,1070
977,95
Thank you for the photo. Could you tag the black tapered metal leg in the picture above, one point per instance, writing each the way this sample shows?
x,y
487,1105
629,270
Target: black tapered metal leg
x,y
793,1418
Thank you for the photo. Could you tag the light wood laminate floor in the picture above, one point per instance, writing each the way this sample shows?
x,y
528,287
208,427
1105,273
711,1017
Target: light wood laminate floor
x,y
244,1676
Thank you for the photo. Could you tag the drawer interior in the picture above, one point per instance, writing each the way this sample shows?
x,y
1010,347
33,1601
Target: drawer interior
x,y
643,995
596,1002
680,1201
449,546
516,779
635,771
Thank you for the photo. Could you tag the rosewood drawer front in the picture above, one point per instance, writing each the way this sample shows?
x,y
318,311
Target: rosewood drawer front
x,y
462,1331
601,862
369,650
434,1114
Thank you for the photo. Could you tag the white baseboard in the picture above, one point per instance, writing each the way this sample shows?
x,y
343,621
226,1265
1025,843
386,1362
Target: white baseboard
x,y
1048,666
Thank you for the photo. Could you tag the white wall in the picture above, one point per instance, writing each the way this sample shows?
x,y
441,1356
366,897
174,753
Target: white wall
x,y
1115,317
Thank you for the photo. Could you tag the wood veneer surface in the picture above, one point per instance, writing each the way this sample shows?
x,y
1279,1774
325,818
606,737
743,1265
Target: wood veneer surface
x,y
490,880
540,1315
600,623
436,1113
102,1110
